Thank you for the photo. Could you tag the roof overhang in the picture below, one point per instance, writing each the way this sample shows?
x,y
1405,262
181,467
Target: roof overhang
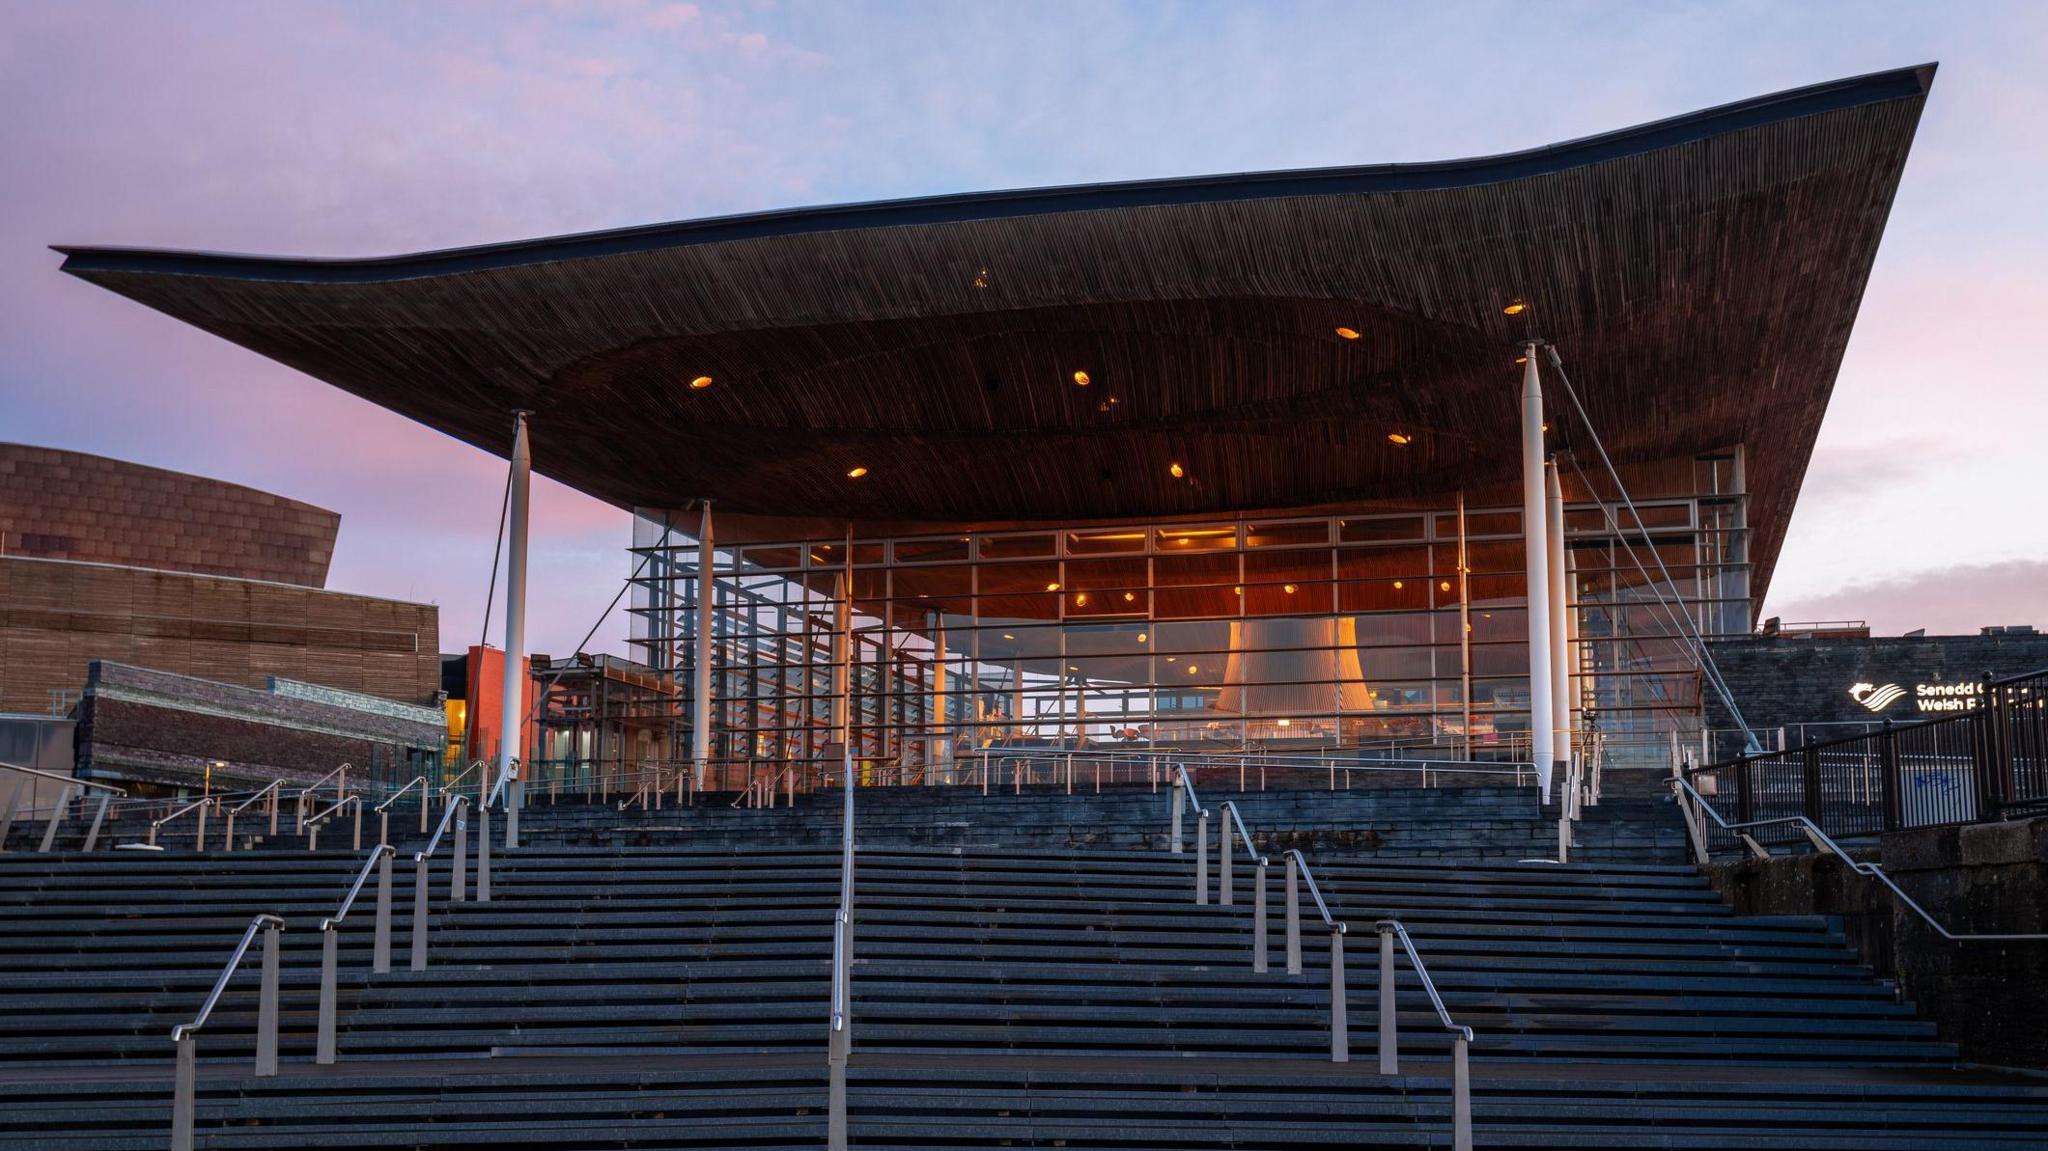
x,y
1699,275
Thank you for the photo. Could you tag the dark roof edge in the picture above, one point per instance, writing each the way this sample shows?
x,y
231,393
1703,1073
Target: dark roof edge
x,y
1876,87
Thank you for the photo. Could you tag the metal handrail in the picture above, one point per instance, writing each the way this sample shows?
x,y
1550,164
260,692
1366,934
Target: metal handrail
x,y
765,786
448,787
419,781
1180,774
201,804
75,781
1389,1029
839,1037
1443,1014
1316,893
348,901
262,920
1251,849
504,780
1826,844
272,788
455,804
315,785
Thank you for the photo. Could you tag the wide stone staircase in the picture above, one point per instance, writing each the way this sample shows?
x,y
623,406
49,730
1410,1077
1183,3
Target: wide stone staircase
x,y
660,980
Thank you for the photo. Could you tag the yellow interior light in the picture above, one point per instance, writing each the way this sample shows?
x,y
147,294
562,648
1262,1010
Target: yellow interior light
x,y
1398,438
1288,588
1052,587
1176,470
1081,378
1348,333
1515,309
700,383
856,473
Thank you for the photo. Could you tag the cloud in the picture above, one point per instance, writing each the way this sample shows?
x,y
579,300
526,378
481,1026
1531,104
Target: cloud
x,y
1948,601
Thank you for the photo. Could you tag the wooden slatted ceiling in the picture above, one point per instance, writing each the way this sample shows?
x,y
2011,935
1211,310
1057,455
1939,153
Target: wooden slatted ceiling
x,y
1700,291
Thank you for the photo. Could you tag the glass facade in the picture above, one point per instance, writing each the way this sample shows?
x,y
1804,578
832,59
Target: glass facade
x,y
1355,629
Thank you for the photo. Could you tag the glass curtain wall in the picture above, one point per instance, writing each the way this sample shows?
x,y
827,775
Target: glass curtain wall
x,y
1279,633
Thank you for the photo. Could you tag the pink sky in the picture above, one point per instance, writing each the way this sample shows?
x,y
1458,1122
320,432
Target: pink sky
x,y
331,129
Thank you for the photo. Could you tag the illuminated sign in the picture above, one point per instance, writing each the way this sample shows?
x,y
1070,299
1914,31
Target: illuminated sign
x,y
1926,696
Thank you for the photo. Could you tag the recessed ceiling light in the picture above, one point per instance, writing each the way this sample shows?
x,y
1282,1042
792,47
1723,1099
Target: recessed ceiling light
x,y
1052,587
1175,470
1141,637
1192,669
1397,585
1521,359
1515,309
1081,378
1443,585
1399,438
1347,333
1007,635
1130,596
1288,588
1081,599
700,383
856,473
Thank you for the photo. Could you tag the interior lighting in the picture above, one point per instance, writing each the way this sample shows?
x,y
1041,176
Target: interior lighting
x,y
1141,637
1347,333
1007,635
1130,596
1192,669
1175,470
1443,585
1399,438
1288,588
1283,723
1080,599
1081,378
1398,585
856,473
700,383
1515,308
1052,587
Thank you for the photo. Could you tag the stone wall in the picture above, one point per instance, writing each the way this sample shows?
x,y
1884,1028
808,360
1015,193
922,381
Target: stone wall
x,y
142,726
1790,681
1991,999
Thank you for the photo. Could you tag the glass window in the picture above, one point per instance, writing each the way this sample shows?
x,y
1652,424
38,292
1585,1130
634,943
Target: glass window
x,y
1292,534
1016,547
1378,529
1195,537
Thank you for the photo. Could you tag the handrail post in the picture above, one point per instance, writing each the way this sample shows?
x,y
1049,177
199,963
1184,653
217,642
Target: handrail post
x,y
1340,1034
184,1086
1809,784
1259,916
323,1049
420,868
1178,793
1224,895
1461,1094
266,1006
1201,858
383,829
227,839
1293,916
380,947
483,853
1389,1020
456,879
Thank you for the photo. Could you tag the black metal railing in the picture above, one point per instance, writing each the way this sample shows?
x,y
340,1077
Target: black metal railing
x,y
1988,762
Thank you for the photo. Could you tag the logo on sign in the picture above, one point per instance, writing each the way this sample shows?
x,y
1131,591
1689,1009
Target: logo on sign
x,y
1876,698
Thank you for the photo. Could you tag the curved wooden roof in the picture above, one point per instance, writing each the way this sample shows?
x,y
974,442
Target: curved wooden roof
x,y
1699,275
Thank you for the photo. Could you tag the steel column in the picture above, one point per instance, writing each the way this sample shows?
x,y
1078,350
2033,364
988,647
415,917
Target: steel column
x,y
1536,551
513,710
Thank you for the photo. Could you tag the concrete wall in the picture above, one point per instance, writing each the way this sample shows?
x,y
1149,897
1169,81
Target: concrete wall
x,y
1991,999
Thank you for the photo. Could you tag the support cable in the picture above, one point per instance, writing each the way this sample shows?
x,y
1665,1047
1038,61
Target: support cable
x,y
1687,631
491,589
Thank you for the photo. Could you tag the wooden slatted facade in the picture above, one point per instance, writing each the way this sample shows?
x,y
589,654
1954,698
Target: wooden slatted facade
x,y
1700,277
